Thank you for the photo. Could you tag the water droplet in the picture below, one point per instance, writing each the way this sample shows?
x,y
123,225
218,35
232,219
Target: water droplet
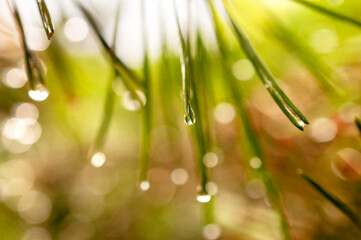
x,y
255,163
98,159
323,130
179,176
189,117
212,188
144,185
293,114
14,129
268,84
255,189
210,159
76,29
243,70
211,231
27,112
14,78
39,94
203,198
132,104
224,113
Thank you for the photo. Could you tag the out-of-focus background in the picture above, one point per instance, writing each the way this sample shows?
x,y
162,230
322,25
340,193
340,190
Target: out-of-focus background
x,y
51,189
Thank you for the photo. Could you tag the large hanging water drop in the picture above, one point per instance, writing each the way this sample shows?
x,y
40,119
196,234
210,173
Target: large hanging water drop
x,y
39,94
189,116
203,198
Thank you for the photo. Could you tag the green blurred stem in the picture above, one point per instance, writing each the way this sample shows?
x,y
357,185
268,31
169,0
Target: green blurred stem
x,y
110,95
107,115
202,121
330,13
46,18
200,65
33,69
147,113
353,216
254,145
130,79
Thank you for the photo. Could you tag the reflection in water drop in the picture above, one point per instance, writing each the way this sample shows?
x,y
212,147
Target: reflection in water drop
x,y
98,159
255,163
292,114
144,186
40,94
268,84
189,116
203,198
132,104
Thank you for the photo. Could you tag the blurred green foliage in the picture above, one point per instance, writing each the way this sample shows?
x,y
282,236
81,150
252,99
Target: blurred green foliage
x,y
242,149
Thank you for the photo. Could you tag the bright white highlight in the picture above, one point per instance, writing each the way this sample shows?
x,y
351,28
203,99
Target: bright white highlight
x,y
144,186
203,198
179,176
76,29
98,159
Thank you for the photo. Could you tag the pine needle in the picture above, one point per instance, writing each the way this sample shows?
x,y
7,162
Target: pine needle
x,y
33,68
147,113
110,95
268,80
333,199
189,115
130,79
256,149
46,18
330,13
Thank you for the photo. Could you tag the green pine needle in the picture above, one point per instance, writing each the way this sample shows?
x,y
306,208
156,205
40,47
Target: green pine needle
x,y
189,115
255,147
110,95
147,113
334,200
130,80
330,13
268,80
